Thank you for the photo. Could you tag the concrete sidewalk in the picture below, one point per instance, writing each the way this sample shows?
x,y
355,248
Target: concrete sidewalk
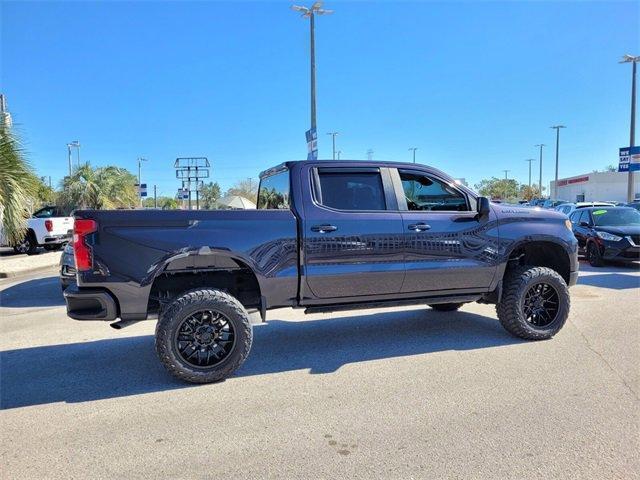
x,y
15,265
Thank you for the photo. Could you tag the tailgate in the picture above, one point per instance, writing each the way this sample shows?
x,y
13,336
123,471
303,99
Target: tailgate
x,y
62,226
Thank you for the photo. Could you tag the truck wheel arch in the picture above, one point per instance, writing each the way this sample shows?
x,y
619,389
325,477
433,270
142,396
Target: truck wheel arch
x,y
224,272
542,253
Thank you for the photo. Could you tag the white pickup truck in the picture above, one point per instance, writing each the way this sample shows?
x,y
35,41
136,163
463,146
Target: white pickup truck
x,y
47,227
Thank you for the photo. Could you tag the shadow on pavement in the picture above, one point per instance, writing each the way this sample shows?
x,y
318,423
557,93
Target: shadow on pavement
x,y
82,372
39,292
9,252
610,267
615,281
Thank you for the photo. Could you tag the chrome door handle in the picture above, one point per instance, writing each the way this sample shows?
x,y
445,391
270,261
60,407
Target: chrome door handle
x,y
324,228
419,227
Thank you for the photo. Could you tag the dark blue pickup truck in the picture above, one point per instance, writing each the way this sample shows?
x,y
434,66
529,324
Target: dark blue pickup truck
x,y
326,236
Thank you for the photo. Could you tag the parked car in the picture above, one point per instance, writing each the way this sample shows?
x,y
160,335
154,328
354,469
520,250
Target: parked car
x,y
569,208
326,236
607,233
67,267
635,205
553,203
47,227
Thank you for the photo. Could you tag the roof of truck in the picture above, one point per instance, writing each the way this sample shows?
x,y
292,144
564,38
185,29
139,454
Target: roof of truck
x,y
351,162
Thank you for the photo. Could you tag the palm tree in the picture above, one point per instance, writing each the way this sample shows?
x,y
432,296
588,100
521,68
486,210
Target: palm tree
x,y
98,188
18,184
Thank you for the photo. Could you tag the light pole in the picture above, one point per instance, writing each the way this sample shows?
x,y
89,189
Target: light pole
x,y
69,157
333,141
413,149
338,154
369,154
140,160
506,184
540,180
530,160
555,187
632,131
74,144
310,13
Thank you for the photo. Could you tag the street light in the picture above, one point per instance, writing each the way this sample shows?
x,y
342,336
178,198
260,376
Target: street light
x,y
413,149
75,144
632,132
333,140
370,154
140,160
310,13
506,184
555,185
540,181
338,154
530,160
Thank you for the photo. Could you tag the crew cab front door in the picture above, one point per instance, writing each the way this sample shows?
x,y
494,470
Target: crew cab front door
x,y
352,233
448,246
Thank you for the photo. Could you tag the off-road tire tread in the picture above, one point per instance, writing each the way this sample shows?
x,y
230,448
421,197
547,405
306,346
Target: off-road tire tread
x,y
164,336
516,280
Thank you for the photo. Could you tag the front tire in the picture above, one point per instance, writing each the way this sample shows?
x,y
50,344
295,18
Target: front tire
x,y
594,256
446,307
203,336
535,302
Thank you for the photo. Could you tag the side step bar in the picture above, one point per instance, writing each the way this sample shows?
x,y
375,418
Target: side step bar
x,y
394,303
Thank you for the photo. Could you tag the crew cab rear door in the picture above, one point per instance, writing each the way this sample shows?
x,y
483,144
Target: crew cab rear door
x,y
448,246
351,232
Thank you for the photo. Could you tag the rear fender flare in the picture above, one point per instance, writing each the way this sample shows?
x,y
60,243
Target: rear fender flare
x,y
162,265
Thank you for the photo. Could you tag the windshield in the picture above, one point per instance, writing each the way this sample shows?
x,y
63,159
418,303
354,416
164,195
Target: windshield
x,y
622,216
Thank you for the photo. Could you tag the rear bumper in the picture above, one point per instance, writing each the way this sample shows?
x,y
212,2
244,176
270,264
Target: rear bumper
x,y
53,239
90,304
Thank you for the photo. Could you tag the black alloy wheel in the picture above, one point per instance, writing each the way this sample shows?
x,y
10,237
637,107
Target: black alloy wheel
x,y
205,339
541,304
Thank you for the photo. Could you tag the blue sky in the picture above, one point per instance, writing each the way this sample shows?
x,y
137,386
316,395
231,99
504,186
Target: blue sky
x,y
473,85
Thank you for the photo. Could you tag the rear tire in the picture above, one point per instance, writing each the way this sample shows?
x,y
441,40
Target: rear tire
x,y
594,256
29,245
446,307
203,336
535,302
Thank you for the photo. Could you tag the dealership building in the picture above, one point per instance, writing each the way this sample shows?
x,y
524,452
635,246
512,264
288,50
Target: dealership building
x,y
597,186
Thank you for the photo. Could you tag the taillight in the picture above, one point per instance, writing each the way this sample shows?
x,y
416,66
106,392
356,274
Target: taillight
x,y
81,251
48,224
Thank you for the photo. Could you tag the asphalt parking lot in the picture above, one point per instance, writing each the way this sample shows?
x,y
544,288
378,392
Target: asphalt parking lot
x,y
392,393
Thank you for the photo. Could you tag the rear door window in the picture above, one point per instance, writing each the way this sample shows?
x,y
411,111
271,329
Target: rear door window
x,y
351,190
575,217
273,192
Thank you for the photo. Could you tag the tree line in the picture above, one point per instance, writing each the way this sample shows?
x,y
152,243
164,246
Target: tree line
x,y
508,189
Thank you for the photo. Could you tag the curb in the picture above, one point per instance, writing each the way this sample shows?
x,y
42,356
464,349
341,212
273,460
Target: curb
x,y
27,271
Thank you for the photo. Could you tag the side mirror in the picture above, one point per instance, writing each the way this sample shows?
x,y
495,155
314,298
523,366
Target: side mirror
x,y
483,206
584,224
